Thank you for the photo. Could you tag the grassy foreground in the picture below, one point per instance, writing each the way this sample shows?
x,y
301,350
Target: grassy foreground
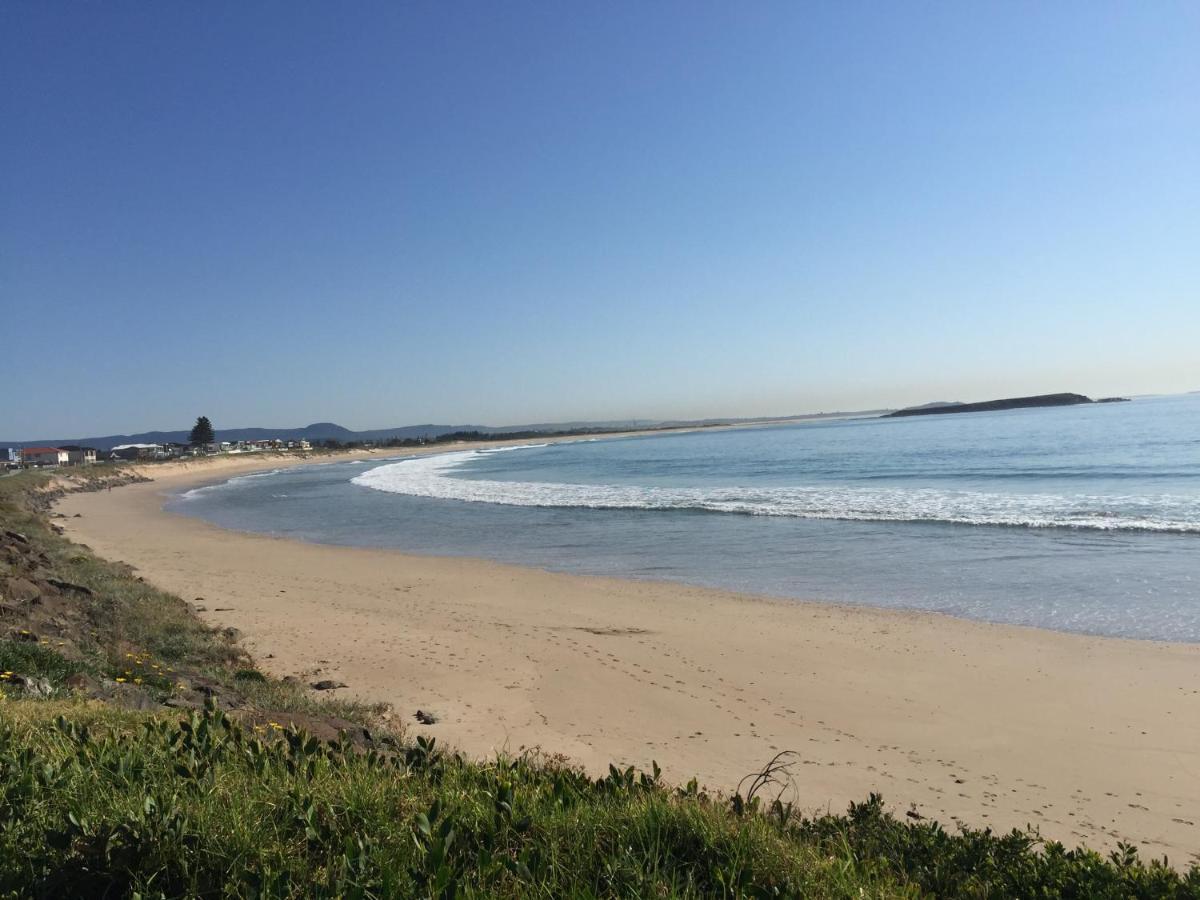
x,y
229,795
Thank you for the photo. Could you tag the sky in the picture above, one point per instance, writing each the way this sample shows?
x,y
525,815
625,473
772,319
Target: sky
x,y
382,213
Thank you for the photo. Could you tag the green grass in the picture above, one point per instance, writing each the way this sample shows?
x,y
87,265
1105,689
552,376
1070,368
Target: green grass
x,y
96,802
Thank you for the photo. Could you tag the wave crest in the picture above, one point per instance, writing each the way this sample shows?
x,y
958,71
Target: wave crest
x,y
431,477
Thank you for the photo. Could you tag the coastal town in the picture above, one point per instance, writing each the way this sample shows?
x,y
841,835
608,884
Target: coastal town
x,y
75,455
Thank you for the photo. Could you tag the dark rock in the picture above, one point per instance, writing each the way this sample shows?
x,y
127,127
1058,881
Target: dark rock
x,y
16,536
232,635
68,586
77,516
182,703
425,717
324,728
327,685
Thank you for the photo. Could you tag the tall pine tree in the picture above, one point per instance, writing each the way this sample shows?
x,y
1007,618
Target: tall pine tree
x,y
202,431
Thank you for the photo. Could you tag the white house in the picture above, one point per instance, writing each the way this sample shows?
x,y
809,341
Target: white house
x,y
80,456
136,451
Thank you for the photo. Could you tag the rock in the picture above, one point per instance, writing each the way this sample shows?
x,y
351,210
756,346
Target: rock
x,y
135,699
232,635
34,687
425,717
22,589
77,516
327,685
68,586
182,703
79,682
16,536
24,635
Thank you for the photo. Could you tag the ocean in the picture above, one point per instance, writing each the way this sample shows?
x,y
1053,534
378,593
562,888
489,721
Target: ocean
x,y
1083,518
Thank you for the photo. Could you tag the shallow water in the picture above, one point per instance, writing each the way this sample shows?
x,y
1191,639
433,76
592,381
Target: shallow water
x,y
1077,518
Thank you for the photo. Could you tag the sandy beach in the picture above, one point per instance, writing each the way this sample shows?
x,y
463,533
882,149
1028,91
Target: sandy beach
x,y
1092,740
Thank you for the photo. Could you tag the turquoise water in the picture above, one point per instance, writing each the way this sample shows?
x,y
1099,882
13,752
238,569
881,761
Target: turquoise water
x,y
1080,518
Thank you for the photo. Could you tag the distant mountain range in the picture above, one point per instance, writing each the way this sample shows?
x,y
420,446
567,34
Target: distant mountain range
x,y
323,431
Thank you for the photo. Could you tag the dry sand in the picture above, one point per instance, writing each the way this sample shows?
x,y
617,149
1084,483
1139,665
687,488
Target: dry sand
x,y
1090,739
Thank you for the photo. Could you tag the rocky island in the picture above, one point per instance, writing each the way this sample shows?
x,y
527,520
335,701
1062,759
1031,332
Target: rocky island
x,y
993,405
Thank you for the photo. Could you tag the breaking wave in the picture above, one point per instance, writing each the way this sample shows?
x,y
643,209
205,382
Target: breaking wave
x,y
226,485
434,477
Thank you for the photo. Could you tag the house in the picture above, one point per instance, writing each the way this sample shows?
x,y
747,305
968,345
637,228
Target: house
x,y
44,456
10,457
136,451
79,456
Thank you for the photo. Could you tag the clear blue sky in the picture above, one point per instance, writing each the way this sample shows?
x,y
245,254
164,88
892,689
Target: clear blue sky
x,y
386,213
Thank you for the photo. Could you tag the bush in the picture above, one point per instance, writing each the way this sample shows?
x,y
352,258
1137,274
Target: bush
x,y
35,659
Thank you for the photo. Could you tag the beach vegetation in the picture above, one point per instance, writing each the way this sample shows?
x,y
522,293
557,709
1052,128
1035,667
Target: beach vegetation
x,y
103,802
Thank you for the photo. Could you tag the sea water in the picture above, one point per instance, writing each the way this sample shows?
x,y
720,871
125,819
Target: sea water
x,y
1083,518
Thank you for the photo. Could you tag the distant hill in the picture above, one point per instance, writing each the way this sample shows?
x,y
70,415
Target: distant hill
x,y
933,409
323,431
935,404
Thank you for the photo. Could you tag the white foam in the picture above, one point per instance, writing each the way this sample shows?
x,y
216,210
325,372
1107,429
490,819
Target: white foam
x,y
432,477
513,447
232,482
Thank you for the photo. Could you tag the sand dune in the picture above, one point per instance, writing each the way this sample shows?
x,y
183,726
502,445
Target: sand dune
x,y
1090,739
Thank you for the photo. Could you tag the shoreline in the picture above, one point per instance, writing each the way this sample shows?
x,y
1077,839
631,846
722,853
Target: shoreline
x,y
1092,739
